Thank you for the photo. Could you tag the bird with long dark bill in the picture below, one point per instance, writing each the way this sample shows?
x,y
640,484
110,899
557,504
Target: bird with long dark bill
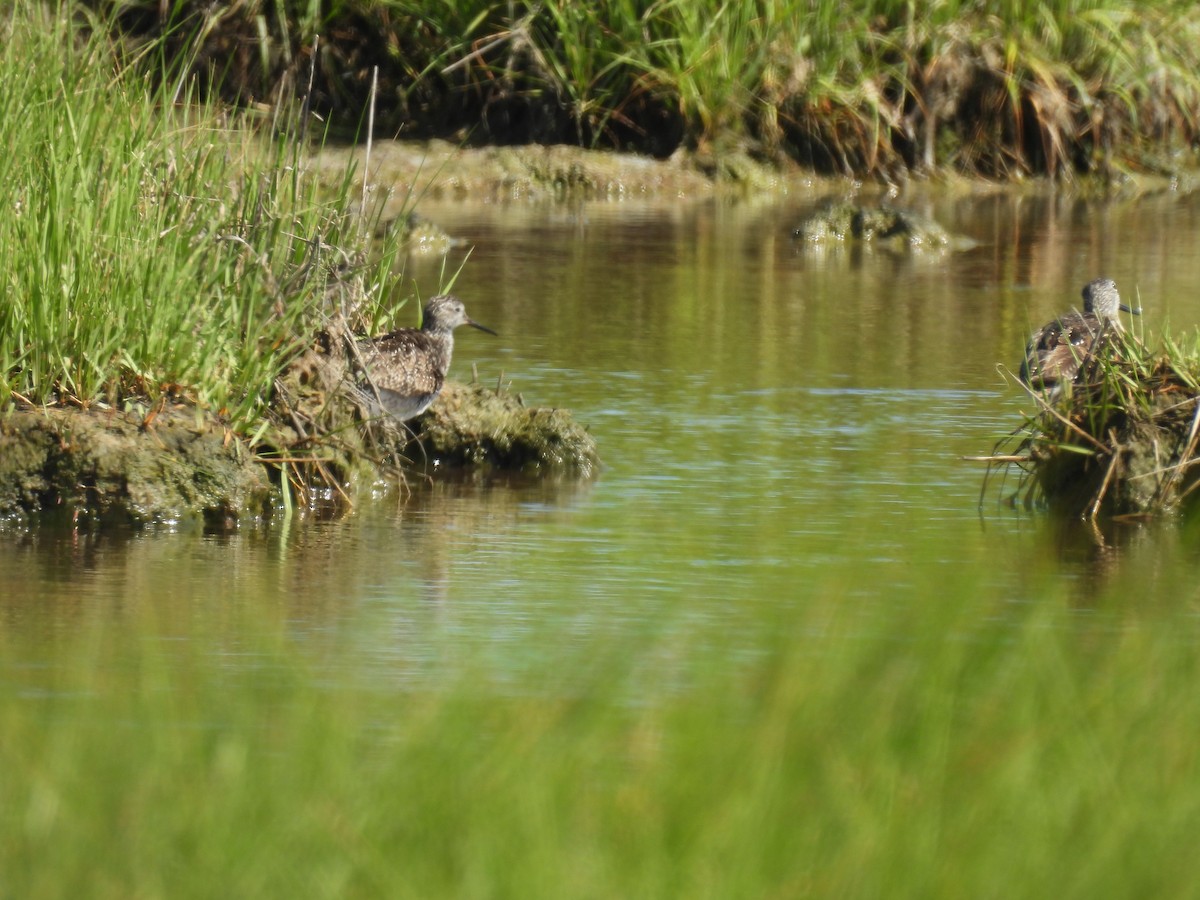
x,y
1058,351
406,368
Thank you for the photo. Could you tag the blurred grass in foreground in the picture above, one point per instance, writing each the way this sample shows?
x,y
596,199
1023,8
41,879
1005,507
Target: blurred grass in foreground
x,y
927,749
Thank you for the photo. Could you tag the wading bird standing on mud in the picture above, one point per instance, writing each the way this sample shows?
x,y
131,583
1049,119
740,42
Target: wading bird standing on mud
x,y
406,368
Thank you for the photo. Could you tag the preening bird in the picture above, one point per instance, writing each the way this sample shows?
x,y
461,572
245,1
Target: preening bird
x,y
1058,350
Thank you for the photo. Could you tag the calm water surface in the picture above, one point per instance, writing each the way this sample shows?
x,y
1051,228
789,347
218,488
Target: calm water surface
x,y
781,426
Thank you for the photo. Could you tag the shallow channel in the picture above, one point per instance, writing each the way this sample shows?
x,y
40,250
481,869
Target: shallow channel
x,y
781,427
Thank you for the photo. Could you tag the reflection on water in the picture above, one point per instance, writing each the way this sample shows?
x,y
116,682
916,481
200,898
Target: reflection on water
x,y
780,425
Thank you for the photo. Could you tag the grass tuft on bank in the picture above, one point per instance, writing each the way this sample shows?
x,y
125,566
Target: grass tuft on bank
x,y
876,87
1124,439
163,251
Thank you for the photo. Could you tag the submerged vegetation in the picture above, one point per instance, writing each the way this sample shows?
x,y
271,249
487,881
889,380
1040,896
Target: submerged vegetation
x,y
1124,438
874,87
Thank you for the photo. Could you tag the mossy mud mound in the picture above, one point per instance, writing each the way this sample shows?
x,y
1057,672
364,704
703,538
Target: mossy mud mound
x,y
1123,441
181,467
100,466
473,425
326,435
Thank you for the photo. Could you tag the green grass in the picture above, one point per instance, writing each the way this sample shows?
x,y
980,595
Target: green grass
x,y
875,87
157,247
1122,439
931,749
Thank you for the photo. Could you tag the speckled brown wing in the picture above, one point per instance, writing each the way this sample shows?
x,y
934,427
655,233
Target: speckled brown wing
x,y
1056,352
407,362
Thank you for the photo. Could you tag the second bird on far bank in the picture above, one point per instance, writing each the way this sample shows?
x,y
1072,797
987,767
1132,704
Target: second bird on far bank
x,y
1057,351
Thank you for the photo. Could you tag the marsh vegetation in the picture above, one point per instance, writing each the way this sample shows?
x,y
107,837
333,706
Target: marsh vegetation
x,y
879,88
1122,439
172,259
772,652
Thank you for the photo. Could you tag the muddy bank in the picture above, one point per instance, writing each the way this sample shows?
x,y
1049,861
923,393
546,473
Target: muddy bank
x,y
417,170
403,174
180,467
91,466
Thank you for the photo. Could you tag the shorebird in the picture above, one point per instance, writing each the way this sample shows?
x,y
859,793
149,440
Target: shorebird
x,y
1057,351
407,367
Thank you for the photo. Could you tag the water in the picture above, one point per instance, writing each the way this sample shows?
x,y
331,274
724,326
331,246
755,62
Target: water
x,y
781,427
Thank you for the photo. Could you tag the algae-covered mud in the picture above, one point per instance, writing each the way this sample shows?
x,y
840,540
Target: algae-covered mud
x,y
182,466
473,425
438,170
104,467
